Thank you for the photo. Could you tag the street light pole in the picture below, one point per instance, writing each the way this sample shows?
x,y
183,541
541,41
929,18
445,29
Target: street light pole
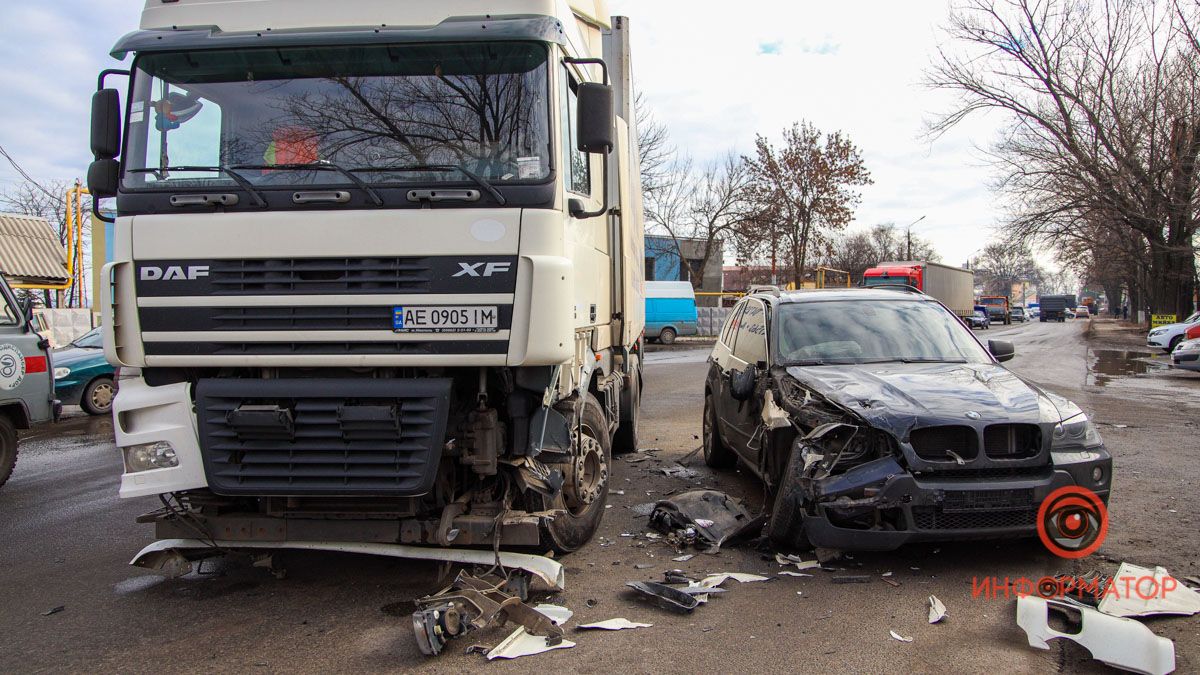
x,y
908,238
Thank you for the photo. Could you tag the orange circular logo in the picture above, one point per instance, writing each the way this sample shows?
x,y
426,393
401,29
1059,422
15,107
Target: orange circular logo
x,y
1072,522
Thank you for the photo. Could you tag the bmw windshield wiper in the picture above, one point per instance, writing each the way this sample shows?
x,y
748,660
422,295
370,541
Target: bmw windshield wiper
x,y
238,178
322,165
476,178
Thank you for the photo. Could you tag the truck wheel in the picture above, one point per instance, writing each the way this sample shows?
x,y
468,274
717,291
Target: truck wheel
x,y
626,437
785,529
8,448
667,336
585,486
97,397
716,453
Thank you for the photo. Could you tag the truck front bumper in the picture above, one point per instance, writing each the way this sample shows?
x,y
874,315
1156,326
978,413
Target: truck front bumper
x,y
144,415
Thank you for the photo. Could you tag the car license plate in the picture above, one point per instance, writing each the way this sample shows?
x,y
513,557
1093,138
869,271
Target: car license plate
x,y
445,319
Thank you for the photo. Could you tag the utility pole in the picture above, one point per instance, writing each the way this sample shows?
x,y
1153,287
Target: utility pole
x,y
908,238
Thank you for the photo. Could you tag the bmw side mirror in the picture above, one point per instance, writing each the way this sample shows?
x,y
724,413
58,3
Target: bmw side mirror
x,y
1003,350
741,383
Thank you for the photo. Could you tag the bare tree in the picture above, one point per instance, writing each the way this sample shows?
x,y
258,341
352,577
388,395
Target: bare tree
x,y
1104,127
804,188
46,199
999,265
654,147
855,252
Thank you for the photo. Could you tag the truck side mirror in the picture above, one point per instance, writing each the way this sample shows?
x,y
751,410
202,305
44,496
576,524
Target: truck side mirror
x,y
595,118
741,383
1003,350
102,177
106,124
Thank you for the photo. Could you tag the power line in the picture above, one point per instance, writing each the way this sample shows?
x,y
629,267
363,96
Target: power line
x,y
25,175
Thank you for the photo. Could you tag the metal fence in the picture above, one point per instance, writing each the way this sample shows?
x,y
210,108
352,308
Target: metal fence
x,y
711,319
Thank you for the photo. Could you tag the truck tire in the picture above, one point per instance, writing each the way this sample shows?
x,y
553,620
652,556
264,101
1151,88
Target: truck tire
x,y
8,448
716,453
569,531
667,336
626,437
97,396
785,529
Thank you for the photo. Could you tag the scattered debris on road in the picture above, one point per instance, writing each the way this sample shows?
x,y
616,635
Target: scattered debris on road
x,y
54,610
472,603
684,558
614,624
521,643
557,614
901,638
789,573
1146,592
1119,642
800,563
937,610
714,580
665,596
707,516
852,579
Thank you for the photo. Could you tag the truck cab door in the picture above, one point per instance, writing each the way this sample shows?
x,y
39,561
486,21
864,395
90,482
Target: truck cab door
x,y
26,373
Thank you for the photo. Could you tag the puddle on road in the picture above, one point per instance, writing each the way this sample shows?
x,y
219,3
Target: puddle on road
x,y
1108,364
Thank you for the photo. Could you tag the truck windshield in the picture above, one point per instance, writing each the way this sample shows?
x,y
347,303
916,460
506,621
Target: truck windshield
x,y
833,332
893,280
383,113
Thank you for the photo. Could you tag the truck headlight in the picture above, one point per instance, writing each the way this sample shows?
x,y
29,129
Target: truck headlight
x,y
1078,431
60,373
147,456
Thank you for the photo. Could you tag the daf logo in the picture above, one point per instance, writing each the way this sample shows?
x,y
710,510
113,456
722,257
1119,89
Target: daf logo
x,y
973,415
472,269
173,273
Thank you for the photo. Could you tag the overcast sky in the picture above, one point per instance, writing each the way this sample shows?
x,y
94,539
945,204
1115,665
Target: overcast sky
x,y
714,73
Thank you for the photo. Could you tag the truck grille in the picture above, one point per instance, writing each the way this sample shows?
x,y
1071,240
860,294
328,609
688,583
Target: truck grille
x,y
322,436
1012,441
320,275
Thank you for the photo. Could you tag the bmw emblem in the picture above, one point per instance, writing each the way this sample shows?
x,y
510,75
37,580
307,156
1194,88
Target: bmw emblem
x,y
972,414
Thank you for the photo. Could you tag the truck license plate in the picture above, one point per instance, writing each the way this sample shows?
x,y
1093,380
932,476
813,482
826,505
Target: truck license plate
x,y
445,319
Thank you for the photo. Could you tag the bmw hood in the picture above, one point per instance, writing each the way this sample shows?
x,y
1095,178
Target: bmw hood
x,y
898,397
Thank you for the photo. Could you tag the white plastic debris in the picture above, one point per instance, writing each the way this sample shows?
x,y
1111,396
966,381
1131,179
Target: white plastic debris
x,y
937,611
1140,591
521,643
800,563
684,558
1121,643
789,573
615,624
714,580
901,638
773,416
557,614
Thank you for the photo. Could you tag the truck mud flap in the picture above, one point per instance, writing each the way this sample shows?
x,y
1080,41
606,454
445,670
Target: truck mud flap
x,y
166,554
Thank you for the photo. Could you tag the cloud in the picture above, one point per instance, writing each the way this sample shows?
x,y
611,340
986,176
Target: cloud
x,y
770,47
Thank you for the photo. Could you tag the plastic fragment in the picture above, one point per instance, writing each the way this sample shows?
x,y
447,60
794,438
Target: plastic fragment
x,y
937,610
557,614
521,643
901,638
614,624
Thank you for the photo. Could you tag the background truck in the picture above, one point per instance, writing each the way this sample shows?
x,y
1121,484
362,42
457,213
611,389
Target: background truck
x,y
26,377
380,265
954,287
997,308
1054,307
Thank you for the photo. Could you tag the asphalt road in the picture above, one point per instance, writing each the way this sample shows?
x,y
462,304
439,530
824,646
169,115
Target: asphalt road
x,y
67,538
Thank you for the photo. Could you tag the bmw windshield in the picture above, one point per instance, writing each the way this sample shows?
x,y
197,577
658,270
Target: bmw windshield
x,y
855,332
375,114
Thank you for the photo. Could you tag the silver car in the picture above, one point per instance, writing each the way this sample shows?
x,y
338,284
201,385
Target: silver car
x,y
1187,355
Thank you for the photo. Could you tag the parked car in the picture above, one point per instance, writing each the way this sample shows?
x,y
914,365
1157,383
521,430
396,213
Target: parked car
x,y
1082,312
1168,337
670,310
1186,355
1069,313
979,319
877,418
1018,314
82,377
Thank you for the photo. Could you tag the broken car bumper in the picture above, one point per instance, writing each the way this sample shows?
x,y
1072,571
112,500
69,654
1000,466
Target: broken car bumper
x,y
909,509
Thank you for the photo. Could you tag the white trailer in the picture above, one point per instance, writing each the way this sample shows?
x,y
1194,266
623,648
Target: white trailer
x,y
380,265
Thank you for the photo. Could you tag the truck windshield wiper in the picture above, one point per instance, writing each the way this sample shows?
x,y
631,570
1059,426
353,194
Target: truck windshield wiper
x,y
238,178
323,165
476,178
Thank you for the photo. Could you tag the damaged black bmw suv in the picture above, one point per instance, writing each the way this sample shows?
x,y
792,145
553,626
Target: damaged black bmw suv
x,y
876,418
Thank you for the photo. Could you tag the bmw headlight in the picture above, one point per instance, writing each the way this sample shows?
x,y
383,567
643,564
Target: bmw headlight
x,y
1075,432
60,373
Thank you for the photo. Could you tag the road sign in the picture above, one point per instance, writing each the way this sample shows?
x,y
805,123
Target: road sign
x,y
1157,320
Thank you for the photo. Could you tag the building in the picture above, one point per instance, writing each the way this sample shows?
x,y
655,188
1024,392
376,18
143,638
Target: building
x,y
30,252
663,263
